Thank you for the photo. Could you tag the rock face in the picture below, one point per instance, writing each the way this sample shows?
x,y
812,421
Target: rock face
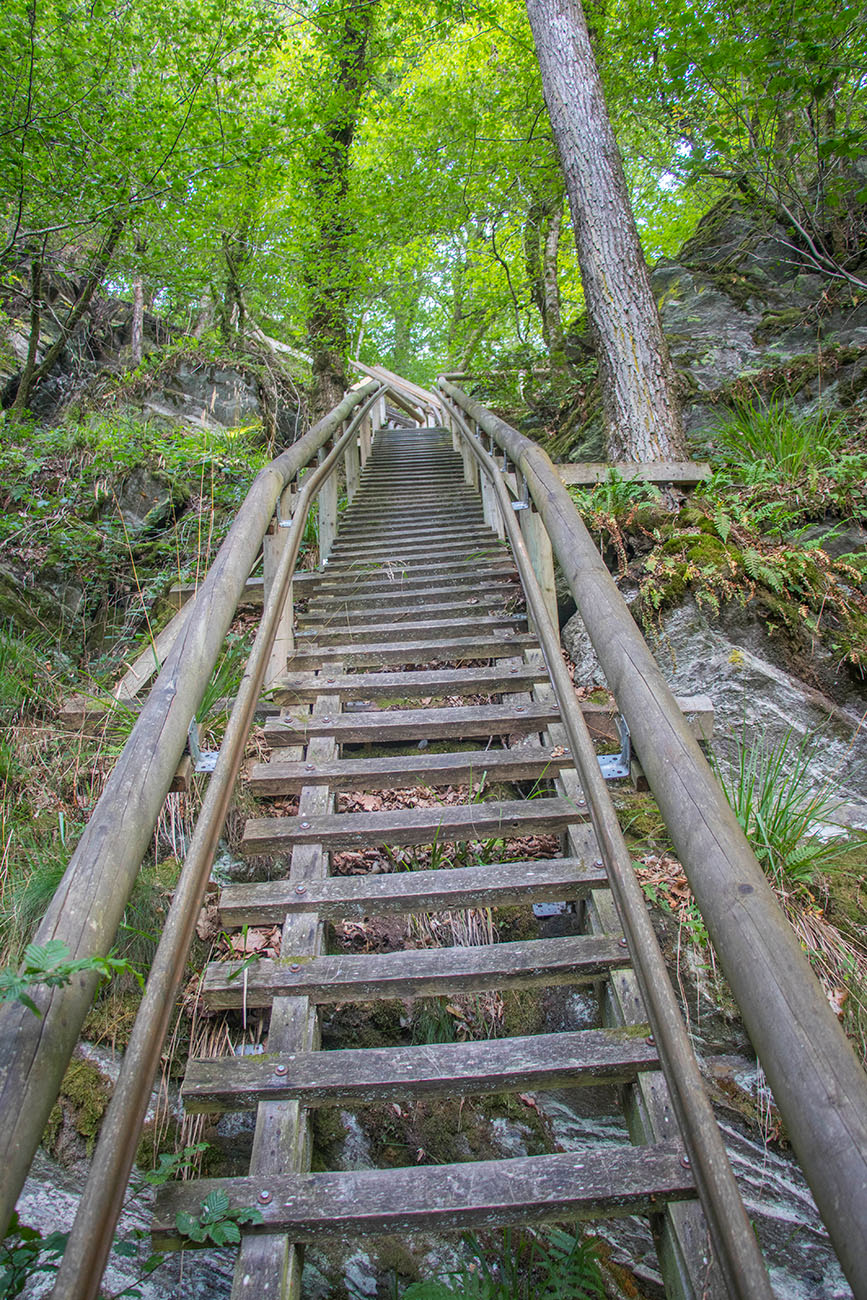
x,y
733,661
743,311
205,394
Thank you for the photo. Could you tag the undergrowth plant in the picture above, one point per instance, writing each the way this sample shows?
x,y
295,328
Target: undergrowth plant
x,y
771,433
554,1265
774,797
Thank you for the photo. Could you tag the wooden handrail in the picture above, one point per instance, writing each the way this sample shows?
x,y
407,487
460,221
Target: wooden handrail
x,y
87,1250
89,903
817,1081
735,1247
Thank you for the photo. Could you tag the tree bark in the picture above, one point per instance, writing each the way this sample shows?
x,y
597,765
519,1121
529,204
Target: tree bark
x,y
35,330
330,273
637,379
94,280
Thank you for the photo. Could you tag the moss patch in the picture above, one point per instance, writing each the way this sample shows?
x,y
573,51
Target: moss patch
x,y
84,1096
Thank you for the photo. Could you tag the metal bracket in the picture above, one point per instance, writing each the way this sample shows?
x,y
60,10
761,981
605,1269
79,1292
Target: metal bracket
x,y
204,760
615,766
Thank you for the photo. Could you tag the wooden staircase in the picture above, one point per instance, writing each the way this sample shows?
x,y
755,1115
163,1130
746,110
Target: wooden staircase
x,y
419,605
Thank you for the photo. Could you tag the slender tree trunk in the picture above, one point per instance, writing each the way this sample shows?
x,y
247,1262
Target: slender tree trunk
x,y
330,272
137,329
94,280
638,384
35,330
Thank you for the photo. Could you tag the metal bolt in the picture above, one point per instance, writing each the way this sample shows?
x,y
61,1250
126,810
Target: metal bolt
x,y
514,670
310,767
598,862
684,1160
305,826
519,708
281,1069
300,889
582,803
650,1040
295,965
264,1197
329,681
326,719
622,943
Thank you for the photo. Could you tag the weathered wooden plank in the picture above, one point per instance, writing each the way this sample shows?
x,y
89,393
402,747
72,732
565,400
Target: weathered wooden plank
x,y
405,685
458,648
590,1057
390,772
436,566
413,724
423,972
443,824
685,472
364,585
497,884
344,613
483,1194
396,598
415,629
360,534
482,544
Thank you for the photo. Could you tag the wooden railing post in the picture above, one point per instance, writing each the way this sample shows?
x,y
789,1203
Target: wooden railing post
x,y
273,546
327,512
353,468
541,557
365,439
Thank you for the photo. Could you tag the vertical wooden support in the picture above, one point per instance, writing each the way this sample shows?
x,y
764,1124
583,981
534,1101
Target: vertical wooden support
x,y
380,412
273,545
327,512
365,439
471,469
541,557
353,467
269,1266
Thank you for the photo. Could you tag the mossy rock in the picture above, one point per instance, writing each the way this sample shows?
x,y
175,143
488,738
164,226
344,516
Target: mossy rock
x,y
77,1114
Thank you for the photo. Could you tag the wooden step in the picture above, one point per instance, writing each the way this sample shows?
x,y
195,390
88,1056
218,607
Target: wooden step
x,y
338,898
382,531
455,649
397,771
479,1194
588,1058
420,972
380,725
444,823
491,557
434,549
400,586
335,611
407,629
435,682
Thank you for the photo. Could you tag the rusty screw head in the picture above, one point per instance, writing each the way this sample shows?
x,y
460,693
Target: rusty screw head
x,y
622,943
300,889
650,1040
264,1197
295,966
684,1160
598,862
281,1069
305,826
310,767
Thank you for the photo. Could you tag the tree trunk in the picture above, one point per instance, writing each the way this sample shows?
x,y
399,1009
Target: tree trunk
x,y
94,280
330,272
637,380
26,379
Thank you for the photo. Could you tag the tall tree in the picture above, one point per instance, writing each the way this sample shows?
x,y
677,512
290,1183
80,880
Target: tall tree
x,y
331,272
637,379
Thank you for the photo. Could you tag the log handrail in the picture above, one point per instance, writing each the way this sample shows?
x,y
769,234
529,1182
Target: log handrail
x,y
88,905
90,1241
816,1078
